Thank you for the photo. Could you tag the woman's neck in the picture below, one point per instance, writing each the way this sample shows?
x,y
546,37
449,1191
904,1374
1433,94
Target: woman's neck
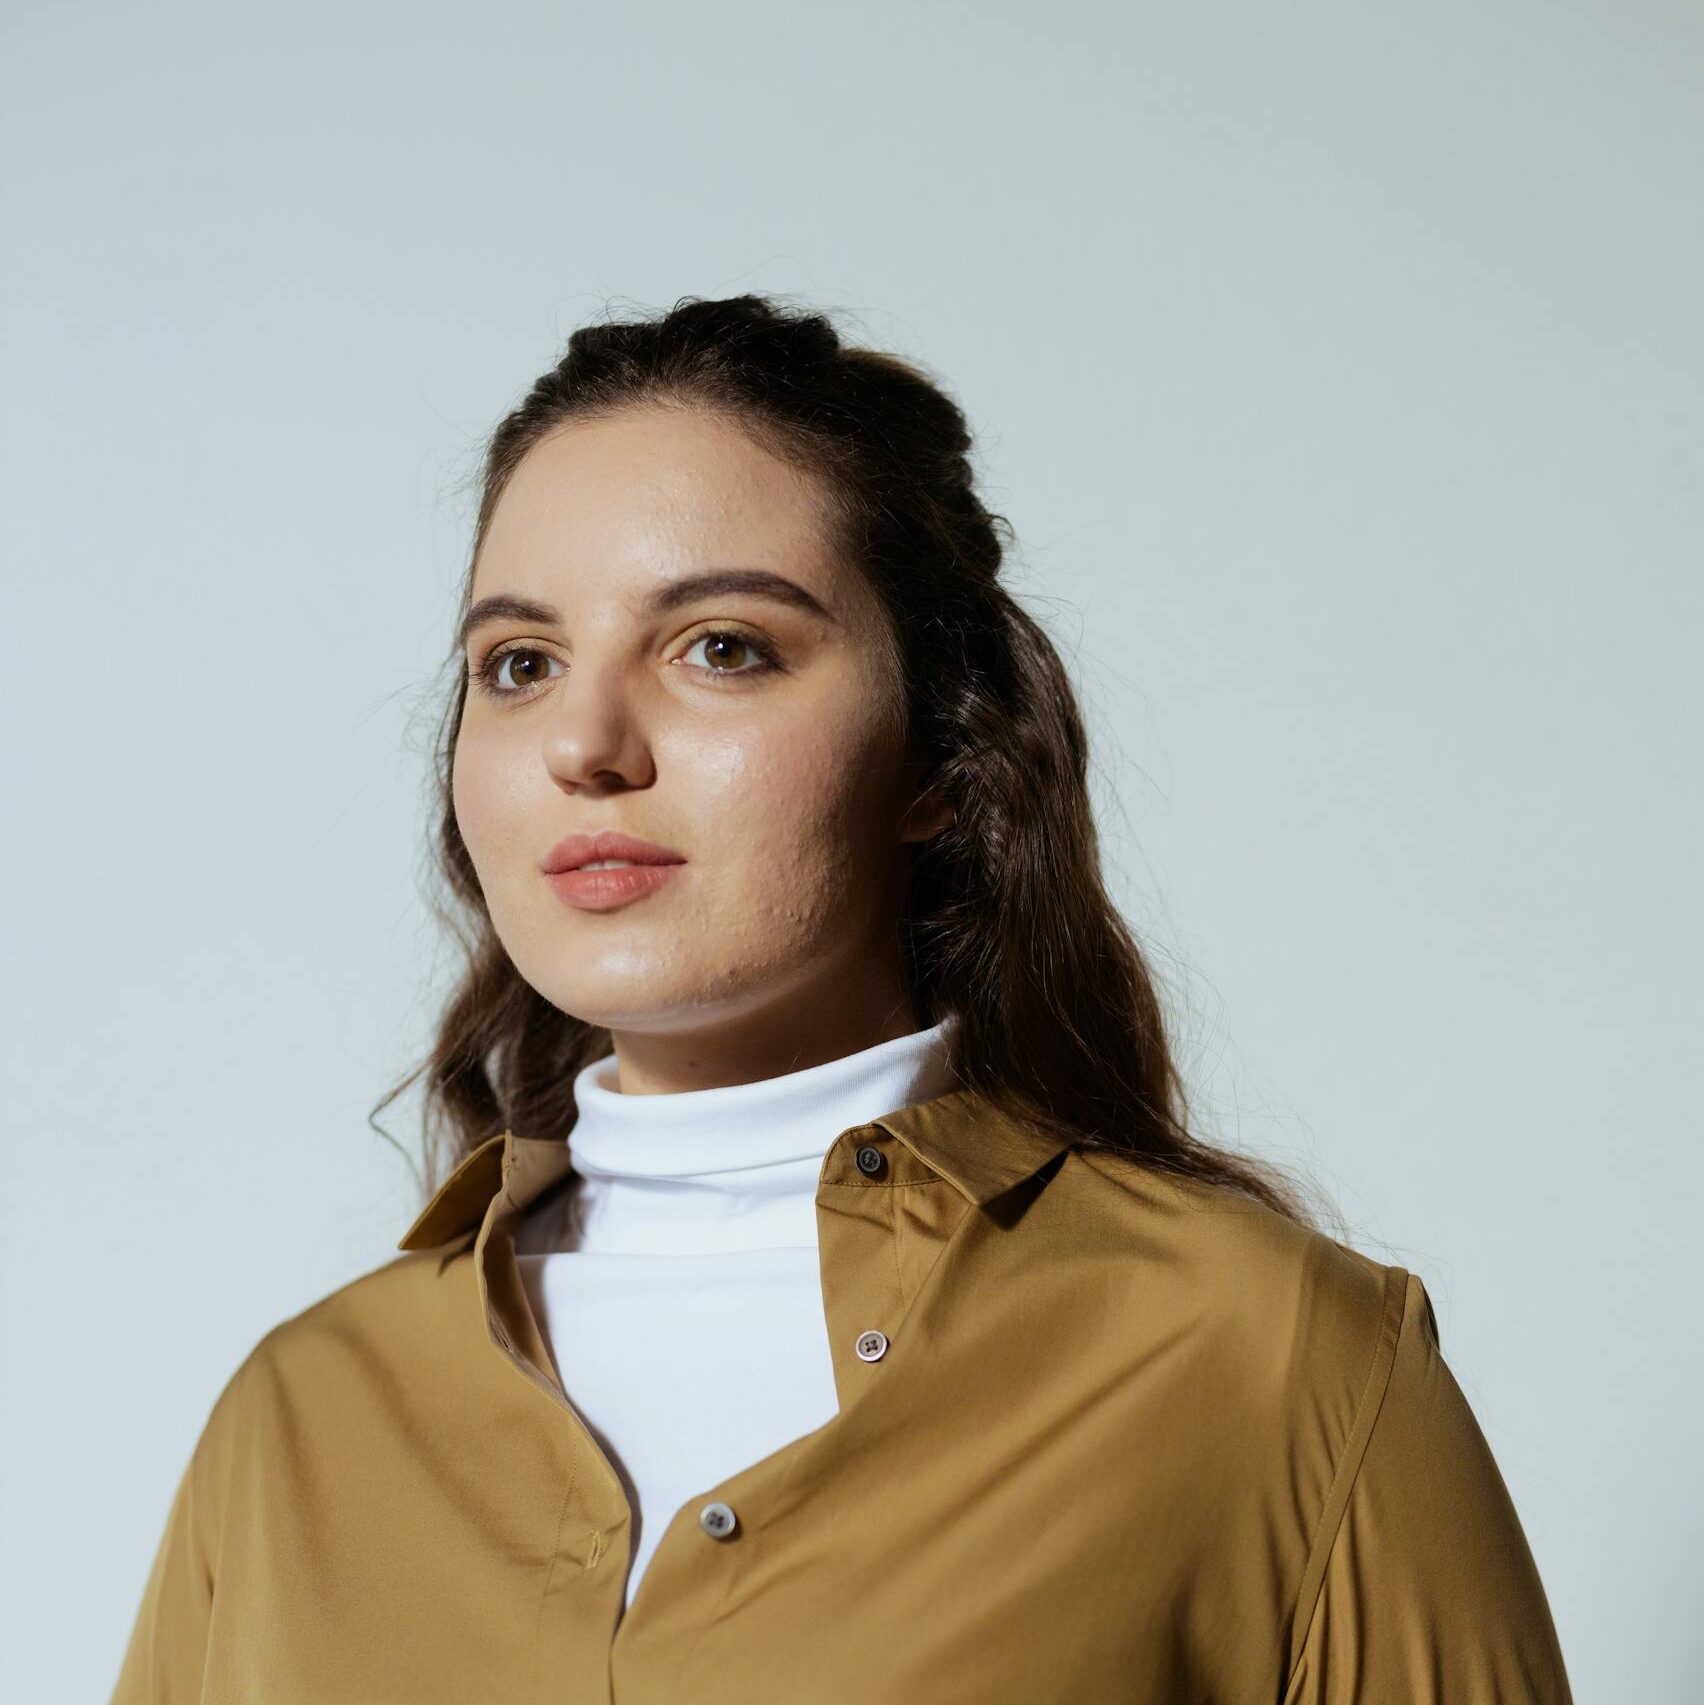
x,y
734,1167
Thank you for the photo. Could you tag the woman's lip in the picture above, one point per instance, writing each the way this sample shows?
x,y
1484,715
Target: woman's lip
x,y
603,890
593,846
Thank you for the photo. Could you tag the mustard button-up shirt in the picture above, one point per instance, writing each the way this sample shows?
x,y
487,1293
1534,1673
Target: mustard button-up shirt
x,y
1130,1439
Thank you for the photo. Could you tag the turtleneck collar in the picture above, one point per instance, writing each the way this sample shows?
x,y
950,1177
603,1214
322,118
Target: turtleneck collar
x,y
734,1167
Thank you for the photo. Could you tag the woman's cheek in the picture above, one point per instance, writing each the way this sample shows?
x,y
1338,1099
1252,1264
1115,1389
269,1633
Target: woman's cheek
x,y
488,814
465,799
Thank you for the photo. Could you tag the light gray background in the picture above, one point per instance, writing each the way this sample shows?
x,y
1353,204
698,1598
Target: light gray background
x,y
1339,367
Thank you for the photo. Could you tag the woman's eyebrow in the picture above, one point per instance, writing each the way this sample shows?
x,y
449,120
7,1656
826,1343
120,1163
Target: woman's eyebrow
x,y
713,583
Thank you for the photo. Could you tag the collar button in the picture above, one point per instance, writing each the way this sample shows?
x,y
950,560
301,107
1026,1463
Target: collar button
x,y
871,1161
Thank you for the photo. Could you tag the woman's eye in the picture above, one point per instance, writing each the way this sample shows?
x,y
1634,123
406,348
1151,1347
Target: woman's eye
x,y
511,671
727,649
527,671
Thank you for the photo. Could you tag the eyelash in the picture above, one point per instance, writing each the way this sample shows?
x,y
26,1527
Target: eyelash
x,y
485,676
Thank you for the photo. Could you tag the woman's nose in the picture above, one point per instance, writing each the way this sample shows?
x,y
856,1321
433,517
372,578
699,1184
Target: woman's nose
x,y
592,733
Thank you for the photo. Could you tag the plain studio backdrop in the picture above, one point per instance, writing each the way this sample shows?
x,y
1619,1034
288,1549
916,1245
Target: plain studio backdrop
x,y
1339,368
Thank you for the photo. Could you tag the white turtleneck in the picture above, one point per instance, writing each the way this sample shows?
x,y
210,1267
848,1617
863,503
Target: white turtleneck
x,y
677,1286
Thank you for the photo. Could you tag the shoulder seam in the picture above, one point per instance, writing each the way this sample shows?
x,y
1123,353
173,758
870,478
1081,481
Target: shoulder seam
x,y
1371,1401
213,1460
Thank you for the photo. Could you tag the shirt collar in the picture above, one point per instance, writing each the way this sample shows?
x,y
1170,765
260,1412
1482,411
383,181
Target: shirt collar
x,y
966,1137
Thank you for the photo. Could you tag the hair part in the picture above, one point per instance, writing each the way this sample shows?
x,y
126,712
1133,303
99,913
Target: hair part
x,y
1008,921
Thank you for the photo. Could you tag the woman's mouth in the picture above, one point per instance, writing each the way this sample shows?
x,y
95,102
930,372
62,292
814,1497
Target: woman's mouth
x,y
608,883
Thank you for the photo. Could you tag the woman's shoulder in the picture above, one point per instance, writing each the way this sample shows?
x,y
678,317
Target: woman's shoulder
x,y
1222,1232
411,1314
399,1348
1278,1300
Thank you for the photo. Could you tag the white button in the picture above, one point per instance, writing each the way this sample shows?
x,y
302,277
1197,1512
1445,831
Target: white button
x,y
871,1346
718,1520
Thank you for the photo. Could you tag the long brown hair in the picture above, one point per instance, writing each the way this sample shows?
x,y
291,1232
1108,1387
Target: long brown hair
x,y
1008,920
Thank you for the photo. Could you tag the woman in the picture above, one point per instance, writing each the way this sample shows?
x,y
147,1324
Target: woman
x,y
828,1301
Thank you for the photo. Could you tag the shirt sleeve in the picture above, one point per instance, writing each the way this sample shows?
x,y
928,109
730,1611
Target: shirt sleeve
x,y
167,1652
1428,1593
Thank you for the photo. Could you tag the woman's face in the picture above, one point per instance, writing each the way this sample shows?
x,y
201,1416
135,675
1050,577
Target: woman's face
x,y
755,734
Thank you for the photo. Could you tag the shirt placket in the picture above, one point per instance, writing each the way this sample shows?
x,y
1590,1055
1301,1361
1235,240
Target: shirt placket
x,y
876,1248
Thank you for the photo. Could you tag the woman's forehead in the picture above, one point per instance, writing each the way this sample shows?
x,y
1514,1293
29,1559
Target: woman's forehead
x,y
606,515
657,493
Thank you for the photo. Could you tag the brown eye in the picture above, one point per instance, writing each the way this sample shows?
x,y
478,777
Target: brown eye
x,y
728,652
512,671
